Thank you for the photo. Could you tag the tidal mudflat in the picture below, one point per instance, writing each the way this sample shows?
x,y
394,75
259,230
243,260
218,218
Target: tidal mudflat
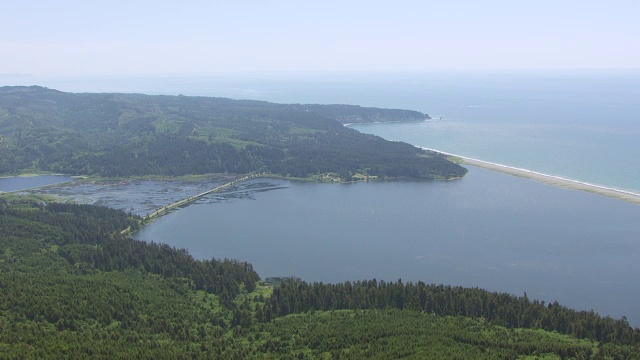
x,y
136,196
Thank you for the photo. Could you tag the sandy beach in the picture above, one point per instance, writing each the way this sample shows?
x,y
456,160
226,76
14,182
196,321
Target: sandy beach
x,y
549,179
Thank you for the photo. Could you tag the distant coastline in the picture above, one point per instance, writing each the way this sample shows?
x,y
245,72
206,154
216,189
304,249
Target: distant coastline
x,y
547,179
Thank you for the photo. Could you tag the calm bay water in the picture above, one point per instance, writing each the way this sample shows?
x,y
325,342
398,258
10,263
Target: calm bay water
x,y
17,183
489,230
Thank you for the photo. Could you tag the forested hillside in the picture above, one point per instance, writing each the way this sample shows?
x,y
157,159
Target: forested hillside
x,y
71,286
114,135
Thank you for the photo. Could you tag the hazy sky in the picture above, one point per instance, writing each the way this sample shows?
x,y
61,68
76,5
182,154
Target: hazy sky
x,y
154,37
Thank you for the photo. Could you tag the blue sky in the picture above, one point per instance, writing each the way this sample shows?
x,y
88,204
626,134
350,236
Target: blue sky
x,y
201,37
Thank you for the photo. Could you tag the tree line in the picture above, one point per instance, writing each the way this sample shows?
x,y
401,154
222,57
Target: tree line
x,y
295,296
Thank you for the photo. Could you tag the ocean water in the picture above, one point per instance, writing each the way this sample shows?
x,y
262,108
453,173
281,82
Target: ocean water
x,y
580,125
583,128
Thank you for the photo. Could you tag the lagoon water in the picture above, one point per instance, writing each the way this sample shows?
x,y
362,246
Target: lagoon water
x,y
488,230
16,183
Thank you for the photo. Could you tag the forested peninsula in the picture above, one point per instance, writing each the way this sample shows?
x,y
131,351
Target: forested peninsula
x,y
120,135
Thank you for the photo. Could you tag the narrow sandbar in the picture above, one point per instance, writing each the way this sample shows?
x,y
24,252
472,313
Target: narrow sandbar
x,y
548,179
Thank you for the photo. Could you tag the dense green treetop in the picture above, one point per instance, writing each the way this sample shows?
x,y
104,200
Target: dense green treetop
x,y
352,114
115,135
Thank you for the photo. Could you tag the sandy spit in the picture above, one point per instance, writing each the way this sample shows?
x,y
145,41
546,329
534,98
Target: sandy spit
x,y
549,179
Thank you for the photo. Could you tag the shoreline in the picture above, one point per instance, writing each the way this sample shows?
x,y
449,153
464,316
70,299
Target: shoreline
x,y
548,179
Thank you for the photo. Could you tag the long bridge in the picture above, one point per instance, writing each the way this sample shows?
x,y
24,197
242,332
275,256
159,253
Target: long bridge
x,y
193,198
